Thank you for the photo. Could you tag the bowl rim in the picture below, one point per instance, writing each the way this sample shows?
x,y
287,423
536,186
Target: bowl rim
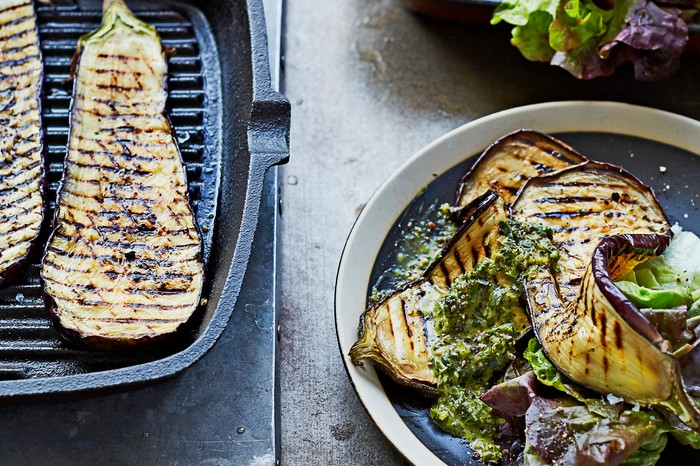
x,y
399,189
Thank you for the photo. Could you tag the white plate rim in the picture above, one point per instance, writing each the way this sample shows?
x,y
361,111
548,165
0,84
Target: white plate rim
x,y
397,191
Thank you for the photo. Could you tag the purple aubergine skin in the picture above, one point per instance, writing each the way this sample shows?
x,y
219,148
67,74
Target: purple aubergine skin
x,y
535,138
648,245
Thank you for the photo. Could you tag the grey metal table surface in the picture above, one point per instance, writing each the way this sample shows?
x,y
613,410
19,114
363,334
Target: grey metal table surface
x,y
370,84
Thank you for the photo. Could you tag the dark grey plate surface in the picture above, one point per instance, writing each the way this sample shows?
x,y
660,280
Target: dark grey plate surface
x,y
678,192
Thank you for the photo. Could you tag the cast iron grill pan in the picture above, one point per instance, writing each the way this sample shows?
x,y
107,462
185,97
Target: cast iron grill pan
x,y
29,346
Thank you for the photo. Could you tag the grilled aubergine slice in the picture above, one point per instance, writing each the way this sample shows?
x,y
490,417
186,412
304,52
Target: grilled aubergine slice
x,y
508,163
394,333
606,222
601,340
21,147
123,264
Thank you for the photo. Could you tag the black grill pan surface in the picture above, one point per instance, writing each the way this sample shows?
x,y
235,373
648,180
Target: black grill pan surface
x,y
230,126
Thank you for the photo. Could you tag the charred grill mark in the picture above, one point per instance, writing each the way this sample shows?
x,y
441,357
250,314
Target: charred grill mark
x,y
18,200
130,129
127,320
510,189
568,199
114,185
572,242
7,77
540,167
20,227
120,57
142,230
458,260
112,169
133,291
558,155
562,229
127,155
17,49
617,330
127,245
19,185
575,281
115,199
405,319
14,22
17,35
445,273
391,321
114,104
15,7
487,249
112,71
603,330
118,259
571,214
116,88
135,276
134,305
475,257
19,61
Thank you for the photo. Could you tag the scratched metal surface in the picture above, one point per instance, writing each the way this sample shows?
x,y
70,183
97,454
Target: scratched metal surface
x,y
370,84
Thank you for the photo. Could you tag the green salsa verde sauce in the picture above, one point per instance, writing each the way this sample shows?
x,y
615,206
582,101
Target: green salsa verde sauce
x,y
477,324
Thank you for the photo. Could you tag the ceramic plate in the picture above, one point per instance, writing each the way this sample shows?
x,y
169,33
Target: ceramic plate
x,y
638,138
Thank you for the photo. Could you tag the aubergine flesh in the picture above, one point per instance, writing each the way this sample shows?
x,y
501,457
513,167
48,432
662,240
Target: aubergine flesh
x,y
394,333
508,163
22,171
123,265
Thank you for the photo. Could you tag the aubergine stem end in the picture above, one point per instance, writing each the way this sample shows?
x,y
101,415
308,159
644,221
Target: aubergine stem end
x,y
116,13
364,347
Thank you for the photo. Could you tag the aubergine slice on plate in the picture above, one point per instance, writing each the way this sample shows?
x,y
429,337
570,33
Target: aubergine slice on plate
x,y
123,265
605,222
394,333
602,340
22,171
508,163
583,205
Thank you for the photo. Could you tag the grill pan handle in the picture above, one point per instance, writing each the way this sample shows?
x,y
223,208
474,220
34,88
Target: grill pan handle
x,y
268,129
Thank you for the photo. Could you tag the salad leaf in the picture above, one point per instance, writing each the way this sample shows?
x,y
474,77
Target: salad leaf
x,y
650,450
589,40
544,370
563,431
657,298
670,280
652,38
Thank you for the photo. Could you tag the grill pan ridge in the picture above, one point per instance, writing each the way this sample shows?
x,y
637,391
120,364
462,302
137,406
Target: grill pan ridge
x,y
217,59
